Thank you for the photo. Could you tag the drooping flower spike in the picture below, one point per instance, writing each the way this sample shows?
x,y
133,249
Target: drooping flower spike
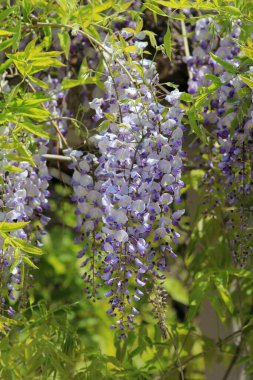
x,y
125,193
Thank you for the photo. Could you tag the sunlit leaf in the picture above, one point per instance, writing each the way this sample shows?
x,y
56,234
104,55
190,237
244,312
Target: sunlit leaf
x,y
168,42
8,227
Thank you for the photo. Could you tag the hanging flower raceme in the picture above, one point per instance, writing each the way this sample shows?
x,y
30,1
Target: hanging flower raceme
x,y
229,117
125,193
24,193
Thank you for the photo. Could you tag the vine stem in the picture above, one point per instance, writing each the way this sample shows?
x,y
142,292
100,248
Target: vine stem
x,y
178,359
58,157
186,45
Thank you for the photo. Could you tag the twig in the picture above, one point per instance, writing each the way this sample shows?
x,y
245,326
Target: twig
x,y
186,45
233,360
58,157
178,359
238,348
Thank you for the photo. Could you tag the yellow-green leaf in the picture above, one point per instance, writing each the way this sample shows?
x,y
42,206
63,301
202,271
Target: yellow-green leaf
x,y
38,82
195,126
13,169
247,81
26,247
176,290
16,259
29,262
38,130
5,33
219,282
103,7
130,49
65,42
155,9
9,227
168,42
248,51
16,36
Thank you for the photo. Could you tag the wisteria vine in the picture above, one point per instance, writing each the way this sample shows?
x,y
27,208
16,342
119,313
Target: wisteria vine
x,y
125,192
229,117
126,177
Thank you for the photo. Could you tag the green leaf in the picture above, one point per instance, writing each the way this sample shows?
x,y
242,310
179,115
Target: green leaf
x,y
5,65
32,112
247,81
195,126
230,10
186,97
103,126
26,247
15,157
64,42
38,130
176,290
5,44
200,288
16,36
207,5
154,8
110,116
48,36
114,361
38,82
9,227
130,49
173,85
227,66
248,51
16,259
13,169
151,36
168,42
93,32
33,60
139,26
196,177
241,273
32,100
84,69
103,7
218,306
214,79
4,14
23,151
221,282
30,47
6,322
27,8
69,83
29,262
5,33
200,100
125,6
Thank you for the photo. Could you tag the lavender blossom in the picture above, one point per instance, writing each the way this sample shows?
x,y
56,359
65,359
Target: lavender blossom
x,y
127,189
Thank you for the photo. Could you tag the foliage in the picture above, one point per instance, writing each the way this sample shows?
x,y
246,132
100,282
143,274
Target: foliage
x,y
79,87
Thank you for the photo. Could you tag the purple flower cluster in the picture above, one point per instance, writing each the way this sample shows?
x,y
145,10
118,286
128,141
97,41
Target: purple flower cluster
x,y
229,117
125,192
24,193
